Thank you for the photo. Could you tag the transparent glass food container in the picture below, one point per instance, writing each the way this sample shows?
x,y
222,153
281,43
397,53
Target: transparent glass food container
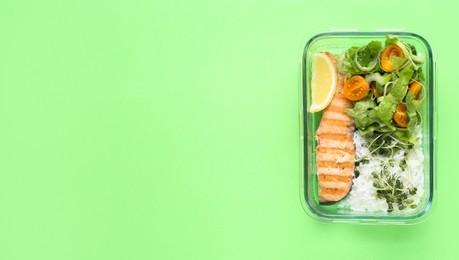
x,y
336,43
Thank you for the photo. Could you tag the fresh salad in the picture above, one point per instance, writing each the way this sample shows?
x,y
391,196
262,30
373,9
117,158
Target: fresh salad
x,y
385,83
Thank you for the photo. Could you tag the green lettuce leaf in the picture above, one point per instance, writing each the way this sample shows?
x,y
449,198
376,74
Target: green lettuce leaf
x,y
398,92
397,62
386,108
381,80
385,112
406,137
363,56
391,39
419,75
417,104
361,112
411,112
362,60
369,129
367,56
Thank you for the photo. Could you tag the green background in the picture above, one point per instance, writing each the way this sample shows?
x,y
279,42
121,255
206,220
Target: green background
x,y
169,130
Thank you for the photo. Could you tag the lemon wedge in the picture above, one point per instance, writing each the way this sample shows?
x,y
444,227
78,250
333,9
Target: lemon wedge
x,y
323,83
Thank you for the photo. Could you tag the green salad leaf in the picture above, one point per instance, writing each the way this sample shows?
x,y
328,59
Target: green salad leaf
x,y
401,86
406,136
417,104
380,79
361,112
391,39
411,112
397,63
386,108
385,111
362,60
418,75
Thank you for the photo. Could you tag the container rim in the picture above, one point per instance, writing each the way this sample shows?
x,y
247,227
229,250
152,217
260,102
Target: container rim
x,y
303,114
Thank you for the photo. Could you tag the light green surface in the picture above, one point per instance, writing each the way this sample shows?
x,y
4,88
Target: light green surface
x,y
168,130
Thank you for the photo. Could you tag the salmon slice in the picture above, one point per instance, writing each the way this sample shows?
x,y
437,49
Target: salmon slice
x,y
335,152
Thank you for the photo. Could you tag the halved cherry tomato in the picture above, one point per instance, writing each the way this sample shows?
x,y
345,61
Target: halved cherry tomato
x,y
416,88
400,116
389,51
356,88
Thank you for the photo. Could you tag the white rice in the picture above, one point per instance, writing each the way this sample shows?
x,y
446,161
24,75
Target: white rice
x,y
362,195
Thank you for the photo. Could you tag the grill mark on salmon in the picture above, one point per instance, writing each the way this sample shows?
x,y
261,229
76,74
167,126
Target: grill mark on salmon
x,y
334,164
332,129
338,158
336,184
335,152
338,144
338,116
334,136
338,122
336,109
333,194
334,178
338,151
345,171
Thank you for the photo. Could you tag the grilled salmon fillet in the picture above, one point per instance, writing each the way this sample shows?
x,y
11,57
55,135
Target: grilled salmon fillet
x,y
335,152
